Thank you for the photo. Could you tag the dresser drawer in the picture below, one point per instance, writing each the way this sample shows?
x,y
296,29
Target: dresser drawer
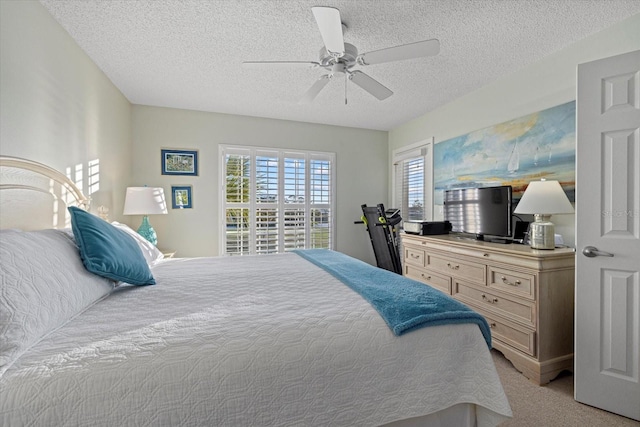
x,y
435,280
515,309
471,272
512,282
525,294
512,335
413,256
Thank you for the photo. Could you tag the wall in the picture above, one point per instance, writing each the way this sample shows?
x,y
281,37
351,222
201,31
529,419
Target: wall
x,y
549,82
57,107
361,158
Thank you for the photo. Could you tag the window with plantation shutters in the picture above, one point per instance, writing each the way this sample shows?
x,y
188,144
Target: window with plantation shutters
x,y
412,192
276,200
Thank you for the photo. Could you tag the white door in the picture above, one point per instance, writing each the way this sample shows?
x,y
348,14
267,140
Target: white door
x,y
607,322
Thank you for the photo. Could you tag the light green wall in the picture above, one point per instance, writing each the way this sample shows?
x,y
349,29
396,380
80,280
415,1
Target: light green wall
x,y
56,106
549,82
361,157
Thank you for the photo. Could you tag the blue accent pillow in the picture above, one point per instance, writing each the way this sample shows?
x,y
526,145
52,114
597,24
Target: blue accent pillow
x,y
107,251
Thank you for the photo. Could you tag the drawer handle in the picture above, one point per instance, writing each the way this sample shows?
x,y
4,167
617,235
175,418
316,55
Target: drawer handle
x,y
414,256
492,325
453,267
425,277
485,255
506,282
489,300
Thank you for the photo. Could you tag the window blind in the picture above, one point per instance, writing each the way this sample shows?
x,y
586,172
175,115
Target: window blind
x,y
410,184
410,188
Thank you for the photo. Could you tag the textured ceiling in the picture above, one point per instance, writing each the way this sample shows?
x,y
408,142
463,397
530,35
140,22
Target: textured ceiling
x,y
188,54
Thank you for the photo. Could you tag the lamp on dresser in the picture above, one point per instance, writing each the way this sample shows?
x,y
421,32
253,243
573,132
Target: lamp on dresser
x,y
145,201
542,199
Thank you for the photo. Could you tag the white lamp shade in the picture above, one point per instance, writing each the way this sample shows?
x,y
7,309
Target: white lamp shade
x,y
544,197
145,201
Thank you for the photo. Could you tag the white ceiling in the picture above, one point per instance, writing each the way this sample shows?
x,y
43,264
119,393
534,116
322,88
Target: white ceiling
x,y
188,53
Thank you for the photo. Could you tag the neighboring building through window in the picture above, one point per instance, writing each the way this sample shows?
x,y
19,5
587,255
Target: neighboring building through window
x,y
276,200
412,192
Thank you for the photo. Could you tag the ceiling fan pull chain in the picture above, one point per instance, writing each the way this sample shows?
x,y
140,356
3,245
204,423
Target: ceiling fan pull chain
x,y
346,79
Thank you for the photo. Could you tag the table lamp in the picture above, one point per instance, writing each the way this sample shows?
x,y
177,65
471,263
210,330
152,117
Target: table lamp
x,y
145,201
542,199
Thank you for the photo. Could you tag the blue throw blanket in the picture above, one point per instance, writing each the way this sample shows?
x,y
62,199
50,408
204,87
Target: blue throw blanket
x,y
403,303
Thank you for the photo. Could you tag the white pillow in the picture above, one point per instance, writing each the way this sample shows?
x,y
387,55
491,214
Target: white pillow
x,y
43,285
150,252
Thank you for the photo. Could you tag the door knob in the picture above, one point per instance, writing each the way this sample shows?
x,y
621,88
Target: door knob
x,y
592,251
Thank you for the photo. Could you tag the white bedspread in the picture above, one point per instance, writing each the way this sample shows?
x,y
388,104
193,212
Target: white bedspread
x,y
245,341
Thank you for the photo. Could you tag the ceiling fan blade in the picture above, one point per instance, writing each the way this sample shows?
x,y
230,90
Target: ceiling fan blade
x,y
330,25
287,64
402,52
314,90
370,85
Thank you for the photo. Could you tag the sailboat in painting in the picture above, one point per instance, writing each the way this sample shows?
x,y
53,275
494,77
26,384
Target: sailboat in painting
x,y
514,159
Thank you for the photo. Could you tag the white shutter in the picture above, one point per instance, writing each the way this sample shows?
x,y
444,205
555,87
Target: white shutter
x,y
321,190
276,201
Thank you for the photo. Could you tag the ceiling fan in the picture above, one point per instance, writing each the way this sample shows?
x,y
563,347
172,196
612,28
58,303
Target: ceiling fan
x,y
339,58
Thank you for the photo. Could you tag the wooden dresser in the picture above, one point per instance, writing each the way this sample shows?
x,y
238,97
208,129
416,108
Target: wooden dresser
x,y
525,294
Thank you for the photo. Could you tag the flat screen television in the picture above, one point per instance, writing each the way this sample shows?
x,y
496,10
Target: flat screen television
x,y
484,211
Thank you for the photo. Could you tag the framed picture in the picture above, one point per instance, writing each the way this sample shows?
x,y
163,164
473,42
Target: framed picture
x,y
181,197
179,162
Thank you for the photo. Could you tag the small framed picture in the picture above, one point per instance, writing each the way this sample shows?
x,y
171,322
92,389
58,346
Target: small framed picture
x,y
179,162
181,197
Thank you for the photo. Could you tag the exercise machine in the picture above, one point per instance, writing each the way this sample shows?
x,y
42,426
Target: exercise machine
x,y
382,224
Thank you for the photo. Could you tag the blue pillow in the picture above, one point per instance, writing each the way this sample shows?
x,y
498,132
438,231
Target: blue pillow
x,y
107,251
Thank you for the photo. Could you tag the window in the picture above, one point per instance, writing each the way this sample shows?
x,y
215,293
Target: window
x,y
276,200
412,182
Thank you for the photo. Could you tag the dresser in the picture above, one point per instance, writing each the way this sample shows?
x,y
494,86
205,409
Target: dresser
x,y
526,295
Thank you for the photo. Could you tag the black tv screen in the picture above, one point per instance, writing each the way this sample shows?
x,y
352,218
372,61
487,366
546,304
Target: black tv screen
x,y
480,211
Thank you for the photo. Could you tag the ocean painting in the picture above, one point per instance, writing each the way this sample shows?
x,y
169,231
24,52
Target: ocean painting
x,y
539,145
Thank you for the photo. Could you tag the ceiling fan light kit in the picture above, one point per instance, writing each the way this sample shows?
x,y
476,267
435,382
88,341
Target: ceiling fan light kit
x,y
338,57
348,58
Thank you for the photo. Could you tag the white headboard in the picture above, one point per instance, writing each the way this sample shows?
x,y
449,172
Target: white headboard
x,y
34,196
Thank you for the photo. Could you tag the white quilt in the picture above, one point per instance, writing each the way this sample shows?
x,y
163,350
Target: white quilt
x,y
245,341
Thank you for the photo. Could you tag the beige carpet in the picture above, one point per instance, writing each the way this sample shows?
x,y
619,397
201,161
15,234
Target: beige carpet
x,y
550,405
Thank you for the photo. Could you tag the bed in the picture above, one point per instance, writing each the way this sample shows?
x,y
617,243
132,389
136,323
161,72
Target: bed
x,y
269,340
